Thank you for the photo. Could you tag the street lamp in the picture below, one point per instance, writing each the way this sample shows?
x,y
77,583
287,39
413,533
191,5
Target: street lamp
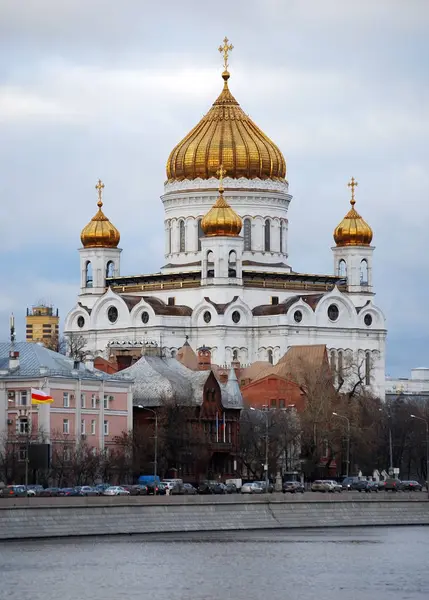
x,y
155,458
265,413
426,422
389,416
348,440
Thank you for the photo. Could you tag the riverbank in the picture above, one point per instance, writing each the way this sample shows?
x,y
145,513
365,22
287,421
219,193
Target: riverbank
x,y
23,518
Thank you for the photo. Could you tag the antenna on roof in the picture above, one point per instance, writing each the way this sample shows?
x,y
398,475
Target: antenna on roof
x,y
12,328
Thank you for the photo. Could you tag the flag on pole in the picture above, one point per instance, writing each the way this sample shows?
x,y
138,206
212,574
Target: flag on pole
x,y
40,397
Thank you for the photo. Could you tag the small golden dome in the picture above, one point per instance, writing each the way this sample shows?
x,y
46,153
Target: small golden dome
x,y
221,218
100,233
353,230
226,135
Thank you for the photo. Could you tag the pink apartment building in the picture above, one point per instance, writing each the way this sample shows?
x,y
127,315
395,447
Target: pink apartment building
x,y
88,404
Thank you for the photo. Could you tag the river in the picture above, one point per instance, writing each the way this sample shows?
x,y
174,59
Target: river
x,y
347,564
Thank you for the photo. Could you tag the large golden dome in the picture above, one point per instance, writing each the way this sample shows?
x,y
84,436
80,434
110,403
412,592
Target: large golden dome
x,y
226,135
100,233
221,218
353,230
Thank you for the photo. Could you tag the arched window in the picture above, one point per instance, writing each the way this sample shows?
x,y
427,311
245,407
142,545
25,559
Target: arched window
x,y
200,233
235,354
363,272
182,238
110,269
267,235
210,264
232,264
367,368
342,268
282,228
88,274
270,355
247,234
169,237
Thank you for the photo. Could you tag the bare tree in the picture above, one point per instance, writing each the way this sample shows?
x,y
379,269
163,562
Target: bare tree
x,y
76,345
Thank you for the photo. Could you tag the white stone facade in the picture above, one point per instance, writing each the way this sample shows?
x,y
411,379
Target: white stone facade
x,y
235,295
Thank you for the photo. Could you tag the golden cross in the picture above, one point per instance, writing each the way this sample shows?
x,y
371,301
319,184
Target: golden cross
x,y
221,172
99,187
224,50
352,184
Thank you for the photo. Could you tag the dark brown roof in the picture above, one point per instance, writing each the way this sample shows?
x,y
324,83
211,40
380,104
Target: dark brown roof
x,y
88,310
281,309
359,308
159,307
220,308
254,263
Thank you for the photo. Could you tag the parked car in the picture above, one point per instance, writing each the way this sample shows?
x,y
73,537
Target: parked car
x,y
159,488
50,492
334,486
392,485
69,492
411,486
320,485
183,489
365,486
101,487
263,485
347,482
87,490
230,488
116,490
17,491
211,487
293,487
251,488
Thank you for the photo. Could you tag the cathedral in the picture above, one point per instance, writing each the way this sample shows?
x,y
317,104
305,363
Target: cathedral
x,y
227,283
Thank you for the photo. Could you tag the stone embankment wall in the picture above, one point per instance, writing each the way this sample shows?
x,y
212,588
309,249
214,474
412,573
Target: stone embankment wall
x,y
100,516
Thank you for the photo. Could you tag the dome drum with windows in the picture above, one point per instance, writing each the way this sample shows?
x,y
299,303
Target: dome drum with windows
x,y
100,233
353,230
227,136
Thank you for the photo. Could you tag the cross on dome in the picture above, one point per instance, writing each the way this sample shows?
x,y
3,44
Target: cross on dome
x,y
221,172
352,184
225,49
99,187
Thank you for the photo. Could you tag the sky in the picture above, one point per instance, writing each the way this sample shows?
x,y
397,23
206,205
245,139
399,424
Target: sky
x,y
92,89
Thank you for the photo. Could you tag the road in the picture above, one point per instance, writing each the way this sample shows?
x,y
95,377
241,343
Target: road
x,y
225,499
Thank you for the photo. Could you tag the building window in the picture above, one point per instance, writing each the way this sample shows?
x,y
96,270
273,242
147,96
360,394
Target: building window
x,y
210,264
297,316
333,312
66,400
270,356
363,272
145,317
342,268
232,264
282,225
67,454
171,301
22,425
106,427
93,427
112,314
200,233
82,427
66,426
110,269
282,403
273,403
93,401
236,316
182,238
88,275
105,402
367,368
247,234
207,316
274,300
82,401
267,235
80,322
22,453
24,398
367,320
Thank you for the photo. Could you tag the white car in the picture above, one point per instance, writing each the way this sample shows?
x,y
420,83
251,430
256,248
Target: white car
x,y
334,486
116,490
251,488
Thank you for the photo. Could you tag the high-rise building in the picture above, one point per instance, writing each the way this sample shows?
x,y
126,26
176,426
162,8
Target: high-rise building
x,y
42,324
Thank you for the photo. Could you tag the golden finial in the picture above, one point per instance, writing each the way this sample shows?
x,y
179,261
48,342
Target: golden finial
x,y
225,49
99,187
221,172
352,184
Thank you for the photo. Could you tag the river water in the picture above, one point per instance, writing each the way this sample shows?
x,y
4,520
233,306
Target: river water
x,y
347,564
